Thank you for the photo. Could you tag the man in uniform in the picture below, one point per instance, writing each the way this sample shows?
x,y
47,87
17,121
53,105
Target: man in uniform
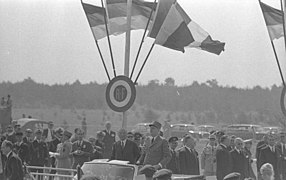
x,y
223,158
208,159
21,148
188,157
173,164
81,150
39,153
108,140
156,150
281,146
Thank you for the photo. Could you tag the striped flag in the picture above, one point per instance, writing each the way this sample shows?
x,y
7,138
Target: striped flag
x,y
179,31
274,21
117,15
95,17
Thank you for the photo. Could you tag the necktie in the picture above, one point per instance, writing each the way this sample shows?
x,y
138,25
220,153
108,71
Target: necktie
x,y
152,140
122,144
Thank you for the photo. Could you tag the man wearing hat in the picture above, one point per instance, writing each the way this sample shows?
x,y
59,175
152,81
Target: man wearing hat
x,y
223,158
281,146
49,132
173,164
21,148
270,154
156,151
232,176
40,153
62,156
208,159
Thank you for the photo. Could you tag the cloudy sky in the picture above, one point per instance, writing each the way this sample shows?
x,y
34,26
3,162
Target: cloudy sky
x,y
51,42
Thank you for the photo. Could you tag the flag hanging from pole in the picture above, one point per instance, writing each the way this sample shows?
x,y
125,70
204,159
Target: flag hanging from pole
x,y
179,31
117,15
274,21
95,17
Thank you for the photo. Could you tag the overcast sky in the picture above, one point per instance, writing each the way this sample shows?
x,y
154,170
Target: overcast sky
x,y
51,42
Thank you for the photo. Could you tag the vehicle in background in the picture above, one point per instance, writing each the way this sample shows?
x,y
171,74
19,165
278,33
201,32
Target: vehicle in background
x,y
272,129
142,128
204,130
121,170
33,124
180,130
246,131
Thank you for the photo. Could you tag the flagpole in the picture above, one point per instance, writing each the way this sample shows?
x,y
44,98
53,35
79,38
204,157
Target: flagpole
x,y
108,39
282,9
101,57
142,40
127,53
144,62
277,61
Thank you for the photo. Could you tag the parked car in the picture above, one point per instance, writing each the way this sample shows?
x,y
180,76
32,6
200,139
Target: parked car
x,y
204,130
142,128
121,170
33,124
246,131
272,129
180,130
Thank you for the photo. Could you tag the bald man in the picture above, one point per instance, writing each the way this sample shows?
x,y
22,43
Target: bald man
x,y
239,158
125,149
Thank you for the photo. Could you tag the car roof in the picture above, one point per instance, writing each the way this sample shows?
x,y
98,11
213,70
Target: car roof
x,y
23,121
249,125
205,126
142,124
106,161
182,124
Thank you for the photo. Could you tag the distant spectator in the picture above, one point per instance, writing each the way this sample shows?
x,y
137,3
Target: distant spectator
x,y
99,140
49,132
167,130
2,101
130,136
74,136
30,117
208,157
9,101
21,148
232,144
108,140
23,115
84,125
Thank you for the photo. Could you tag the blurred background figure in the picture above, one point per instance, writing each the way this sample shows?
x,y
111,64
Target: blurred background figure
x,y
130,136
108,140
208,159
97,151
173,164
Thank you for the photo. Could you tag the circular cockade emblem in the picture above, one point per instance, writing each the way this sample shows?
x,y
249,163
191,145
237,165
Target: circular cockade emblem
x,y
120,93
282,100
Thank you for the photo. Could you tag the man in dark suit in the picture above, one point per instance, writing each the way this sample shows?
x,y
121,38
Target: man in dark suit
x,y
188,157
223,158
156,149
49,133
40,153
21,148
3,160
81,150
125,149
108,140
13,167
173,164
270,154
281,146
239,160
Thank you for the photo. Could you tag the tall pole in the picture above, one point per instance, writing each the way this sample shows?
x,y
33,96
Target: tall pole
x,y
127,53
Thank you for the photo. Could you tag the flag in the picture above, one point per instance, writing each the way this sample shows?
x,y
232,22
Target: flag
x,y
179,31
95,17
274,21
159,17
117,15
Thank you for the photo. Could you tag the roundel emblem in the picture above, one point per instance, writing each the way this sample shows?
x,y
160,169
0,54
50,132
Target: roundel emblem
x,y
120,93
282,100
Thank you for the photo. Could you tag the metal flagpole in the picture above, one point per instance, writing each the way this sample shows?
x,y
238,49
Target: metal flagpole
x,y
107,33
282,9
142,40
127,53
277,61
97,45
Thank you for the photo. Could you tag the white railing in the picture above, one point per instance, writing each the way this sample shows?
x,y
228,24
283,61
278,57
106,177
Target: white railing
x,y
46,173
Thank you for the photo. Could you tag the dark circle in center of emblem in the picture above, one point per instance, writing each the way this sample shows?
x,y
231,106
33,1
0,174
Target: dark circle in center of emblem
x,y
120,93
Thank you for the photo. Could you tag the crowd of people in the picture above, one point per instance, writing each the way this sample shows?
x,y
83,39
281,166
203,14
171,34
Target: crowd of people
x,y
223,156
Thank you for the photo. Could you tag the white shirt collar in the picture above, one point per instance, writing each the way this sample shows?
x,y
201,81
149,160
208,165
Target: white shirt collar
x,y
9,153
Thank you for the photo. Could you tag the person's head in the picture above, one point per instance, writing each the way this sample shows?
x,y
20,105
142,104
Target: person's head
x,y
51,125
265,139
108,125
122,134
66,136
248,144
6,147
219,134
173,142
212,140
80,134
271,139
225,140
232,138
130,136
76,131
38,134
155,128
189,141
28,132
9,129
267,171
283,137
92,140
100,135
59,132
19,136
238,142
